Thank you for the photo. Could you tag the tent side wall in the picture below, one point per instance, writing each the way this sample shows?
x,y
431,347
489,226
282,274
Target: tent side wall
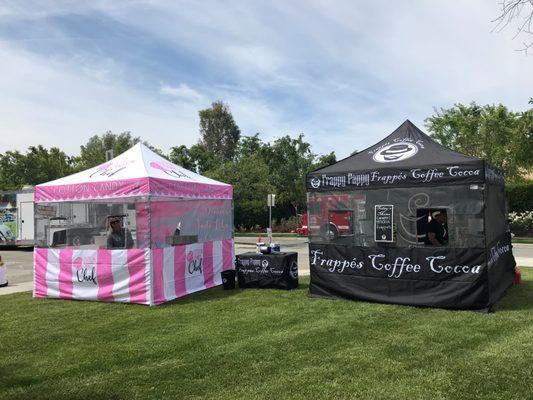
x,y
74,261
194,259
353,264
500,260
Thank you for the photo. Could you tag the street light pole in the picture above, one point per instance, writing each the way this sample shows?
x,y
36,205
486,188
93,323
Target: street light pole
x,y
271,202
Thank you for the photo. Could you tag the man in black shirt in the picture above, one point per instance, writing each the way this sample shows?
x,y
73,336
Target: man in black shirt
x,y
437,232
118,237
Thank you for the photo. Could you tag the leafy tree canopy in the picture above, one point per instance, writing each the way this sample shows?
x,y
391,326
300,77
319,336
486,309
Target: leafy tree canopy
x,y
94,151
38,165
219,134
502,137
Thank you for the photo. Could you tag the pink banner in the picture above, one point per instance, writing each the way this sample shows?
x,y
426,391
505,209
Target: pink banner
x,y
209,273
40,262
131,188
65,274
195,190
104,275
157,273
179,271
125,275
137,268
92,190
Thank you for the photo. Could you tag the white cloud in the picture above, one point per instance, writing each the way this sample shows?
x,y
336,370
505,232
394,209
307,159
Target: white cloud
x,y
51,103
182,91
345,73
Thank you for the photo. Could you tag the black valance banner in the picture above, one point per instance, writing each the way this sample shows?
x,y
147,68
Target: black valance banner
x,y
455,174
435,277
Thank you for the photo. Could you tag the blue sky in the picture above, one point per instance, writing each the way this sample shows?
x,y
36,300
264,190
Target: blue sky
x,y
345,73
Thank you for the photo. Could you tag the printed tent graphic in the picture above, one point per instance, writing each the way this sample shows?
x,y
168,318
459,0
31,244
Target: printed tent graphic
x,y
372,216
174,234
136,172
406,157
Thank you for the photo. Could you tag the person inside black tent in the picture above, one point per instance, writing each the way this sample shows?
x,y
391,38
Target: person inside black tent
x,y
437,232
118,237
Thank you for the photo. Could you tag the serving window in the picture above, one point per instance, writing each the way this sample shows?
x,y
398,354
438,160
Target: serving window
x,y
87,225
135,223
412,214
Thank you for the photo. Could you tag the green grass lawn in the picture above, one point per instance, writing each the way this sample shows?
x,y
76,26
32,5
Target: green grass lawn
x,y
265,344
518,239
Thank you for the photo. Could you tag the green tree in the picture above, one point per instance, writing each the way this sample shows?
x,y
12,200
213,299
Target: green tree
x,y
289,160
181,156
219,134
249,145
249,176
325,160
12,170
493,132
93,152
37,166
44,165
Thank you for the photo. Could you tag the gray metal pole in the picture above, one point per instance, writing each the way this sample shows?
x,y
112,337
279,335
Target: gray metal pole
x,y
270,217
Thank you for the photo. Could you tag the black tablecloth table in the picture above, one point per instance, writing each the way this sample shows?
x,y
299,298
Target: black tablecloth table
x,y
276,270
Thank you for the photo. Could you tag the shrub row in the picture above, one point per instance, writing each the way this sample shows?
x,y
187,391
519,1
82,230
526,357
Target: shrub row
x,y
520,196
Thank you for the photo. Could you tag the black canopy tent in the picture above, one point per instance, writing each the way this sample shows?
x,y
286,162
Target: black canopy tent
x,y
370,216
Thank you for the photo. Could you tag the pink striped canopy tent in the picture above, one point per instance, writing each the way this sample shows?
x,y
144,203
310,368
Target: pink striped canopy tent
x,y
75,259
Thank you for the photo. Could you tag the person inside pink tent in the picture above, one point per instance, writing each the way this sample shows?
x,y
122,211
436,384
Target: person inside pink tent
x,y
118,237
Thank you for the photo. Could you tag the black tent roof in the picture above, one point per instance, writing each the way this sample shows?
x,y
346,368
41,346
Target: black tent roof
x,y
406,157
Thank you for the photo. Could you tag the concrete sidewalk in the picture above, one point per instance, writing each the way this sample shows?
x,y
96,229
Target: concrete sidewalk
x,y
16,288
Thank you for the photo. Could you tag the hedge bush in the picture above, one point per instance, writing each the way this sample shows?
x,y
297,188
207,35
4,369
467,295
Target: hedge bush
x,y
520,196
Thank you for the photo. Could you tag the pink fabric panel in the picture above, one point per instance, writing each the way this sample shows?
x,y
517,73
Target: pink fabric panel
x,y
137,280
92,190
227,255
142,214
104,275
179,271
209,278
65,273
166,187
39,276
157,274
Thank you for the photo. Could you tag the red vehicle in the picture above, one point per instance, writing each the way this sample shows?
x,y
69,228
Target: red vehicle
x,y
333,215
340,223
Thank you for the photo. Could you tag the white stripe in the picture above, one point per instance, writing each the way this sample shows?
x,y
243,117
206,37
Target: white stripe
x,y
217,262
194,280
52,273
168,273
85,290
148,273
121,275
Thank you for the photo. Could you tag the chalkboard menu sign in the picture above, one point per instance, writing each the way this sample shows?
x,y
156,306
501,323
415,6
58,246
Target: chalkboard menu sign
x,y
383,223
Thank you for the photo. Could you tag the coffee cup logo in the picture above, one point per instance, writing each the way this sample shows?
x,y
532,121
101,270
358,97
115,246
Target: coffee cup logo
x,y
396,152
293,270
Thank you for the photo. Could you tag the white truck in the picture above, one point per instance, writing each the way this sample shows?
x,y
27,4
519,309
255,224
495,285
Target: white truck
x,y
17,217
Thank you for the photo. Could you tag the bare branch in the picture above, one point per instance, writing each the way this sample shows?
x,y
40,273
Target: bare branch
x,y
510,14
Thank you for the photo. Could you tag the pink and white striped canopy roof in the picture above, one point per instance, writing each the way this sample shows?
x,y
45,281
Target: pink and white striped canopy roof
x,y
136,172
